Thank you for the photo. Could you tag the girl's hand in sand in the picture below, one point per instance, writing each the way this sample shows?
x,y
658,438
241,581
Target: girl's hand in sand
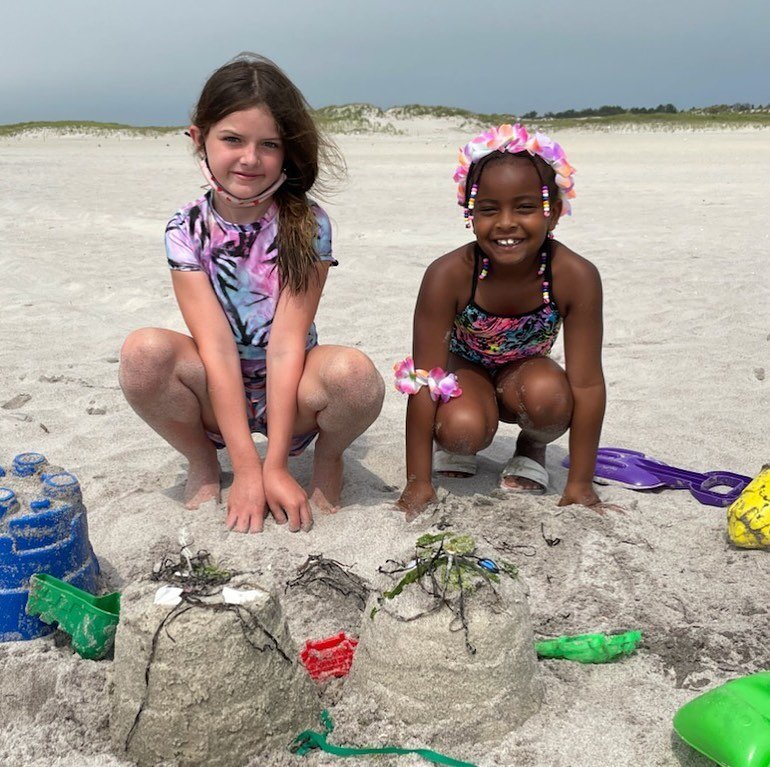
x,y
585,495
246,503
287,500
416,496
581,493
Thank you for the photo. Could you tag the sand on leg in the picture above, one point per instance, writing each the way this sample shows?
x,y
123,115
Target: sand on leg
x,y
341,394
535,394
163,379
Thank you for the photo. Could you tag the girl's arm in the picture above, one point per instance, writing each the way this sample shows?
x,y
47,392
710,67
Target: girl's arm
x,y
433,317
212,335
285,362
583,361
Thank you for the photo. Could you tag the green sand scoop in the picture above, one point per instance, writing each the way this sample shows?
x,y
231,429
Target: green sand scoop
x,y
90,621
731,723
590,648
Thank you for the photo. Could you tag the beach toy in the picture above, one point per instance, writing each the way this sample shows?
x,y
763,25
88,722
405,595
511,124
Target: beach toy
x,y
731,723
590,648
90,621
308,740
43,529
636,471
748,519
330,657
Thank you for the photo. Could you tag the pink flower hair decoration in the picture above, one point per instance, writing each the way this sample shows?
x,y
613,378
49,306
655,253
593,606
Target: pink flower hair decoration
x,y
513,139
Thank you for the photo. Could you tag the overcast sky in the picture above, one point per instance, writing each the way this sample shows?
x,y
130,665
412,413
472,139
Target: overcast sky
x,y
144,63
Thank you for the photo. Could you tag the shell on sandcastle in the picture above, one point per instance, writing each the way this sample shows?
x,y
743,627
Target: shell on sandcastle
x,y
43,529
207,683
450,648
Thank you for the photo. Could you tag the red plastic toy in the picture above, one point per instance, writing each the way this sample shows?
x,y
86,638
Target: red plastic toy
x,y
330,657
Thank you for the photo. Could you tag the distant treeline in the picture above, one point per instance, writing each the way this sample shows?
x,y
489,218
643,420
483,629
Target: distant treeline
x,y
667,109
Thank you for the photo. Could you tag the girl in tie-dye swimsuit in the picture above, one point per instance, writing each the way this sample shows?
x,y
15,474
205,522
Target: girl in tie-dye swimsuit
x,y
487,317
249,260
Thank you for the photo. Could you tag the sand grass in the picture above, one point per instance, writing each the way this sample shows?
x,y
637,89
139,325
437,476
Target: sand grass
x,y
366,118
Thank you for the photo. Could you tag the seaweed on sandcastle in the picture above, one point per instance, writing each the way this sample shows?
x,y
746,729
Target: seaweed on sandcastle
x,y
447,569
317,571
194,573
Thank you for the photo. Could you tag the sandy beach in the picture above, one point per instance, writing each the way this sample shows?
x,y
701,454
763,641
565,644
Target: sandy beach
x,y
676,223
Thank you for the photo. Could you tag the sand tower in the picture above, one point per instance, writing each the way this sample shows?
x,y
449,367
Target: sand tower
x,y
206,683
43,529
449,647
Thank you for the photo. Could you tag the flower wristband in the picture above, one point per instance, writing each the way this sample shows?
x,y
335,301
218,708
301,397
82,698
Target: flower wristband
x,y
442,385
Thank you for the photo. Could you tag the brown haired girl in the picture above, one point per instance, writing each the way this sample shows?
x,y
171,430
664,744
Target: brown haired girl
x,y
249,260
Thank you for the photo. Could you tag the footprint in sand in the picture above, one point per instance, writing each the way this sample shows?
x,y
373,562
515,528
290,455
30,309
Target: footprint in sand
x,y
17,402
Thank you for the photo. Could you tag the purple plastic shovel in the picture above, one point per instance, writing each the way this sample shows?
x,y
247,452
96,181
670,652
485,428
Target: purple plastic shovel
x,y
637,471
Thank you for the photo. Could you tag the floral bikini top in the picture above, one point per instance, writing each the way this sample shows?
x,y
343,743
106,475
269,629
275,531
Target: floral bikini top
x,y
492,340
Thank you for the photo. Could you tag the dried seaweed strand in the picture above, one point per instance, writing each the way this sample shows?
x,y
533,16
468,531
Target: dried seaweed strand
x,y
332,574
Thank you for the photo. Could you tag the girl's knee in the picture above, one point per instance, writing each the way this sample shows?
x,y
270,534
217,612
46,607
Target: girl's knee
x,y
147,358
540,397
351,369
462,430
352,375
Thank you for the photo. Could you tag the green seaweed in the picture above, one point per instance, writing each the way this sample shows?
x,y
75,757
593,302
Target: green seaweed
x,y
446,568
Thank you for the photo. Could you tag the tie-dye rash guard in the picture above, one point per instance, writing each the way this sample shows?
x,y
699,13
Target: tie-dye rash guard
x,y
240,261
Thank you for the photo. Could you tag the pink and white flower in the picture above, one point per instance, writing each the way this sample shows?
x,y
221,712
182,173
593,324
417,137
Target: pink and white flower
x,y
441,385
513,139
409,380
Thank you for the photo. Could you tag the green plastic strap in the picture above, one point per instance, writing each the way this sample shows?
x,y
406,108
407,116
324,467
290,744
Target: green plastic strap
x,y
308,740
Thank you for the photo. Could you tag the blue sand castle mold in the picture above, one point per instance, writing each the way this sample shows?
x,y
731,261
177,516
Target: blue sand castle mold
x,y
43,529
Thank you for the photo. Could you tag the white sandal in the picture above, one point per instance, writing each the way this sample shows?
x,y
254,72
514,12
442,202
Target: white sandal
x,y
444,461
521,467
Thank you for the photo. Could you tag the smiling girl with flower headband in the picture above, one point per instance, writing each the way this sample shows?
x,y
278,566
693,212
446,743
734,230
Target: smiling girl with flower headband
x,y
486,319
249,260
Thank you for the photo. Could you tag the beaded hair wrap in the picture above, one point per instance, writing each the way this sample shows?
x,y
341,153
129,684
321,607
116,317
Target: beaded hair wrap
x,y
468,212
546,201
514,139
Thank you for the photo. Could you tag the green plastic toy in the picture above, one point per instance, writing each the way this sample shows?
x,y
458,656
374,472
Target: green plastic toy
x,y
590,648
90,621
308,740
731,723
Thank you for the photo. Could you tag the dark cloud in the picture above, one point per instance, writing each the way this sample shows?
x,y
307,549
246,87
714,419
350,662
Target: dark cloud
x,y
144,62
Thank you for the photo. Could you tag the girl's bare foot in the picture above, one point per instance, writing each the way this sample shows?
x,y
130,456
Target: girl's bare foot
x,y
202,483
326,485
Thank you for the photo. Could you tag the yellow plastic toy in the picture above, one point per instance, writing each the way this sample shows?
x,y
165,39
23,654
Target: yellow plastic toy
x,y
748,518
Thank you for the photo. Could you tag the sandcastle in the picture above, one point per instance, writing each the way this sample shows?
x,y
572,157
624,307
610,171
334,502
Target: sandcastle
x,y
450,648
206,682
43,529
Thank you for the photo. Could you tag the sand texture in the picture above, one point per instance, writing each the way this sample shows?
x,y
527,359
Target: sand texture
x,y
676,223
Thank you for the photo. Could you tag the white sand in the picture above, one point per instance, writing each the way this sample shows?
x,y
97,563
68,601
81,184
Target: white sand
x,y
677,224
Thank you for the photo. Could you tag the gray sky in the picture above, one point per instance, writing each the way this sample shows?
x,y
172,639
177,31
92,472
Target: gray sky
x,y
144,62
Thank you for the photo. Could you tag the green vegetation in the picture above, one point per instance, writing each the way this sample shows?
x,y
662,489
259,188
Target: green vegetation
x,y
85,126
367,118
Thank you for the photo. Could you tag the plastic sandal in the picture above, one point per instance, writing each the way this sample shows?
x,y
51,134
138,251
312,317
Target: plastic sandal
x,y
444,461
525,468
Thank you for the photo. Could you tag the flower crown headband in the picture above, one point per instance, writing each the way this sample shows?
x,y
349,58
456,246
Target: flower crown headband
x,y
513,139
